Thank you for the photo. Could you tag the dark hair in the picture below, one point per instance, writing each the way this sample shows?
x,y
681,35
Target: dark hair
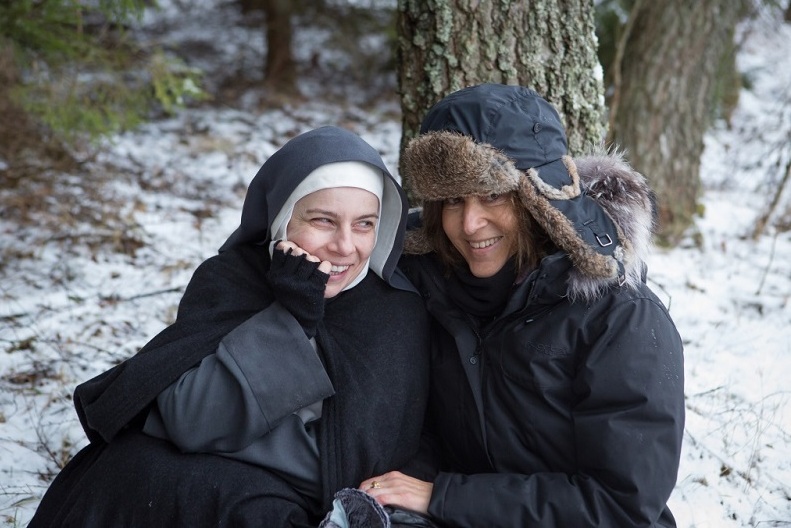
x,y
532,242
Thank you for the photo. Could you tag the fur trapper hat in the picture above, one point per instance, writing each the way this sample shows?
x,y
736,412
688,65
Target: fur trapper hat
x,y
495,138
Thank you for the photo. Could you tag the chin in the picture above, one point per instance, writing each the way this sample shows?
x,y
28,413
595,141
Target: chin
x,y
484,271
332,290
478,270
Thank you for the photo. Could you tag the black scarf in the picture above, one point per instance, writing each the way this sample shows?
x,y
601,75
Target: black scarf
x,y
483,298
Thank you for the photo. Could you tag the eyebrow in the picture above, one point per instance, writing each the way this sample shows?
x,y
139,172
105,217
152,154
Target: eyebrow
x,y
335,215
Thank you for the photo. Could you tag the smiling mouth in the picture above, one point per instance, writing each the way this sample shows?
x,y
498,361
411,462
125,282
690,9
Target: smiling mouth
x,y
337,270
485,243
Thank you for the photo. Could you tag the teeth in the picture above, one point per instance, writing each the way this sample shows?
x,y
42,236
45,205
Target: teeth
x,y
338,269
484,243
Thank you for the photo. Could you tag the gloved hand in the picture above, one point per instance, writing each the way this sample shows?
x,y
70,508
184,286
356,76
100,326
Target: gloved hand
x,y
298,285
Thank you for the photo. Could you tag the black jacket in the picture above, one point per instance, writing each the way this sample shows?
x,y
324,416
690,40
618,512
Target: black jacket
x,y
568,408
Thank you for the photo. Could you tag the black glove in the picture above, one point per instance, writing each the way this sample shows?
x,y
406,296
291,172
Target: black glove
x,y
299,286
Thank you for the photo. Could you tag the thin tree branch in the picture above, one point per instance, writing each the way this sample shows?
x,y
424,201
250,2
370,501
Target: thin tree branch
x,y
112,298
760,224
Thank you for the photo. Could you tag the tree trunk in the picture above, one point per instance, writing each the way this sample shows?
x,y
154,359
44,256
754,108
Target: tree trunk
x,y
669,80
280,69
547,45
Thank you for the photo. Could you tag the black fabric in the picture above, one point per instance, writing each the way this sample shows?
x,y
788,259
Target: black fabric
x,y
400,518
592,223
384,378
557,413
483,297
514,119
141,481
372,340
298,285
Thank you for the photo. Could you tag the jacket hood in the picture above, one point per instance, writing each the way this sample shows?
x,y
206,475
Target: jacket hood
x,y
495,139
291,164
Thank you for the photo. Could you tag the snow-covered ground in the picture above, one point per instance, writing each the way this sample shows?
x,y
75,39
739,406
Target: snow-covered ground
x,y
99,267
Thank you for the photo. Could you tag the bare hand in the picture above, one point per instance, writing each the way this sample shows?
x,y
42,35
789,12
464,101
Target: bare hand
x,y
396,489
285,245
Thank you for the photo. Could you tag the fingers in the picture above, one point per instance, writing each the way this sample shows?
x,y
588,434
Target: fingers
x,y
291,248
397,489
285,246
373,483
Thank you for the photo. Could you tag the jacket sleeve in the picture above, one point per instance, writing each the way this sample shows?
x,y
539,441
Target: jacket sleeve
x,y
628,423
263,370
225,291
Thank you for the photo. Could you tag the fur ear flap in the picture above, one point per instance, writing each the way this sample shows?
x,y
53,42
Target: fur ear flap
x,y
563,232
567,192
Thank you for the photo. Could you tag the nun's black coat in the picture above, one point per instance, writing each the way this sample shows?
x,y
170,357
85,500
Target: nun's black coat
x,y
372,342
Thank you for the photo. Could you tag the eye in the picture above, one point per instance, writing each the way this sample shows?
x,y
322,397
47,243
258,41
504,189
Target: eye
x,y
321,220
494,198
365,225
452,202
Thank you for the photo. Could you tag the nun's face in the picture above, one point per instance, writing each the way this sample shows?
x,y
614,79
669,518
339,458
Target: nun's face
x,y
337,225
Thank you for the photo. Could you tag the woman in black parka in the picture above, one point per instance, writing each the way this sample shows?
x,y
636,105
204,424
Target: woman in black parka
x,y
297,365
557,396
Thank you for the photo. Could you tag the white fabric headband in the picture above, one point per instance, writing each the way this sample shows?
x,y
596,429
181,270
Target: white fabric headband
x,y
340,174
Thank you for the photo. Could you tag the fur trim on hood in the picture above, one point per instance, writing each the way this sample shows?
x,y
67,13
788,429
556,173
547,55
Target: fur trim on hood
x,y
587,199
624,194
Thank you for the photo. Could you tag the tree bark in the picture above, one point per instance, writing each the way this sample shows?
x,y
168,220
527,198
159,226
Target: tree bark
x,y
280,69
667,98
547,45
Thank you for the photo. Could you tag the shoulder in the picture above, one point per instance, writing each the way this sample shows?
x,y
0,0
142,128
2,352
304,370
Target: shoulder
x,y
636,309
241,265
234,279
236,260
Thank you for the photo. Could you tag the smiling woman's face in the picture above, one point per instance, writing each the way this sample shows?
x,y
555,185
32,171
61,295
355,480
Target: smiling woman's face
x,y
337,225
483,229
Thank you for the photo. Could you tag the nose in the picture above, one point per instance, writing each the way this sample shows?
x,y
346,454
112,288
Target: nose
x,y
342,241
474,217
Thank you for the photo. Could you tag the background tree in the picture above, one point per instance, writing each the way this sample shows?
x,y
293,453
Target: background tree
x,y
345,52
280,69
548,45
672,64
